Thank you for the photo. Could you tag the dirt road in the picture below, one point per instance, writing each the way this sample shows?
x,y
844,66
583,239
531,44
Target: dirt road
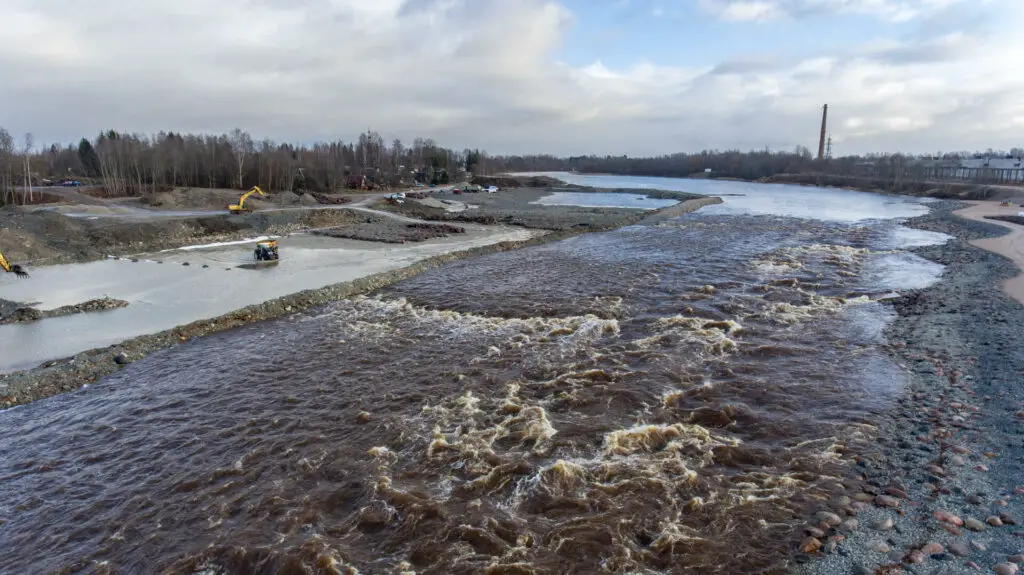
x,y
1011,245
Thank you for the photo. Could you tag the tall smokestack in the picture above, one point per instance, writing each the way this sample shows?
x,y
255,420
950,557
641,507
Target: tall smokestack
x,y
821,141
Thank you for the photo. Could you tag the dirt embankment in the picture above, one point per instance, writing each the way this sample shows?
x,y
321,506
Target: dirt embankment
x,y
392,232
43,238
220,199
13,312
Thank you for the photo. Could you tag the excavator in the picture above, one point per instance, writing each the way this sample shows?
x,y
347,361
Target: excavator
x,y
240,208
15,268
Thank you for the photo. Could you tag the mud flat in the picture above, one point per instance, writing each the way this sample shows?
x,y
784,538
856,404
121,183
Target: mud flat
x,y
942,490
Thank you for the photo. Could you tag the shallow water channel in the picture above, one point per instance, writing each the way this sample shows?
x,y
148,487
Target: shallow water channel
x,y
665,398
163,293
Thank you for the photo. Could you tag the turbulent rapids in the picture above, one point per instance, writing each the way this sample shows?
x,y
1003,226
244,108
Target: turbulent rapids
x,y
671,398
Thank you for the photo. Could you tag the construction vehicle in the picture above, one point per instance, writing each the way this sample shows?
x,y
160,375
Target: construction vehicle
x,y
266,251
240,206
15,268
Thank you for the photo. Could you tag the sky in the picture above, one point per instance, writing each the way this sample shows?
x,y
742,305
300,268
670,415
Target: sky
x,y
636,77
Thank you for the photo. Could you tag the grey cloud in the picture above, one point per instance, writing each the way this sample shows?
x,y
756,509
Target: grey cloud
x,y
800,9
476,73
933,51
748,65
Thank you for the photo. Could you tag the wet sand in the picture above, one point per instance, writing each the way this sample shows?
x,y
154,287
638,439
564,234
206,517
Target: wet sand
x,y
1010,245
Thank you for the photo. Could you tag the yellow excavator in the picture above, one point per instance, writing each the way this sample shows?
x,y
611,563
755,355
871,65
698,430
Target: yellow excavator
x,y
16,269
240,208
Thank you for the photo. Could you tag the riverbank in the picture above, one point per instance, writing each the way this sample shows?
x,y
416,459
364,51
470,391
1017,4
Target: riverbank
x,y
942,488
518,204
941,190
58,376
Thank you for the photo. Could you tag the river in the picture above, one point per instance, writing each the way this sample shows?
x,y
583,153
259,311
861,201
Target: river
x,y
667,398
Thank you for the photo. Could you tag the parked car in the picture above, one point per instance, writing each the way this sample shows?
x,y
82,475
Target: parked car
x,y
491,189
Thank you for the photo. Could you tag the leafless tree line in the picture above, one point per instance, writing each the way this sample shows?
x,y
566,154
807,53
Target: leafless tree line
x,y
899,169
127,164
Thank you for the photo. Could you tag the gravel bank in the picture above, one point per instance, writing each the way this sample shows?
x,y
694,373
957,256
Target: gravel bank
x,y
941,490
13,312
1012,219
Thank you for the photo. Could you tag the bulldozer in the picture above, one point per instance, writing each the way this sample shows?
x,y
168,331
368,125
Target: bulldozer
x,y
12,268
240,208
266,251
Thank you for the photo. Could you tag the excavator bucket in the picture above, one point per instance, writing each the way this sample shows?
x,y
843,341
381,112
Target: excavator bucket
x,y
19,271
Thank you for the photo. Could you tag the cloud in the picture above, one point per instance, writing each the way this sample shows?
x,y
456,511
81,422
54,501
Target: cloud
x,y
482,73
894,10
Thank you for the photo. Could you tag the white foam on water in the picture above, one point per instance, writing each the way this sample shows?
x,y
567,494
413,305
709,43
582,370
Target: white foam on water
x,y
902,237
900,271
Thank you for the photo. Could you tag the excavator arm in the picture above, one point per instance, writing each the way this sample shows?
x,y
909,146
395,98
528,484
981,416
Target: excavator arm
x,y
240,206
16,269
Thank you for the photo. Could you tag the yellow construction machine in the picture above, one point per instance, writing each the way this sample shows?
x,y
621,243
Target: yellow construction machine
x,y
16,269
266,251
240,208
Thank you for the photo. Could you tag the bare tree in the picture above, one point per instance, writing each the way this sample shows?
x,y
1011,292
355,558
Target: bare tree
x,y
6,166
241,146
27,151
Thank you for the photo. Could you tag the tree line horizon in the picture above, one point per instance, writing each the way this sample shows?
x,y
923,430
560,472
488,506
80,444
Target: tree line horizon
x,y
132,164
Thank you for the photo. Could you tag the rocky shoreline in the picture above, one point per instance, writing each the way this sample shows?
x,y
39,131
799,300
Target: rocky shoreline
x,y
68,374
941,489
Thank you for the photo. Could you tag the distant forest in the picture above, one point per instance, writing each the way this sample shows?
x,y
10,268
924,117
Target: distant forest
x,y
129,164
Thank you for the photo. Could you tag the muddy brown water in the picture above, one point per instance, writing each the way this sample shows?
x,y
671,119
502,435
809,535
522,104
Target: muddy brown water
x,y
658,399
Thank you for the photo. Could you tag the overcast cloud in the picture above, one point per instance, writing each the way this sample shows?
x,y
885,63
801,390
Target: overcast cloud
x,y
486,73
